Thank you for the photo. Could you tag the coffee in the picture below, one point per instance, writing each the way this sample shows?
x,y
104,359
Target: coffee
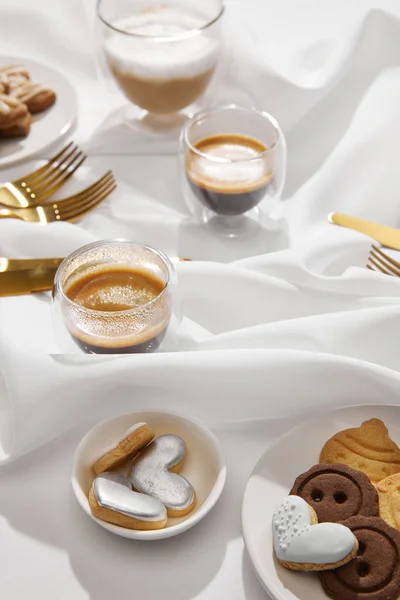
x,y
159,63
111,293
229,173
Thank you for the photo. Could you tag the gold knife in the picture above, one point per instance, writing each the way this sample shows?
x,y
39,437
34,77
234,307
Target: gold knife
x,y
26,276
387,236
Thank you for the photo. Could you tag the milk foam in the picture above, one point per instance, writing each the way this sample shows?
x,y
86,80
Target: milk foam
x,y
241,172
147,58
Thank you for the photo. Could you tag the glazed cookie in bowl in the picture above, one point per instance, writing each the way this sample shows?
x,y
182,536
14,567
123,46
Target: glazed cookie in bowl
x,y
163,483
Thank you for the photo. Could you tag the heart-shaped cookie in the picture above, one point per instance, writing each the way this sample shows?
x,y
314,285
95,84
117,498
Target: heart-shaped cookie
x,y
151,474
302,544
111,499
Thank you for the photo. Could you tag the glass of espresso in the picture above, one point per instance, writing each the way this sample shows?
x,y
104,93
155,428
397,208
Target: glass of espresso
x,y
115,297
161,55
233,165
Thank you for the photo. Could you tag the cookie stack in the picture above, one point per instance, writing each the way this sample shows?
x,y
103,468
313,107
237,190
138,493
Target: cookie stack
x,y
149,490
20,98
356,487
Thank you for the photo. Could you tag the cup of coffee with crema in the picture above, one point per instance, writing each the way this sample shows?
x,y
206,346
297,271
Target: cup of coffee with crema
x,y
115,297
161,55
233,164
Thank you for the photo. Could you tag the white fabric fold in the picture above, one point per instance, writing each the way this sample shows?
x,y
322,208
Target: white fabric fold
x,y
293,291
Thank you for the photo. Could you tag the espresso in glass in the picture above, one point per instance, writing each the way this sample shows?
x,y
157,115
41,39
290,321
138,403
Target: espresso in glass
x,y
228,173
233,162
113,290
114,297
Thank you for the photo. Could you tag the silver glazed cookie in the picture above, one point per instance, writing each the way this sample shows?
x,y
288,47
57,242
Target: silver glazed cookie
x,y
150,474
111,499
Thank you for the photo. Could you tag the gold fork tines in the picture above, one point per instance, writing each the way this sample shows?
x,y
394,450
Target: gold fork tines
x,y
69,209
36,187
379,261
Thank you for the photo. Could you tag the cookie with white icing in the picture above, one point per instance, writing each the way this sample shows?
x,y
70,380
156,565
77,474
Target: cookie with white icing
x,y
36,96
132,442
4,84
112,499
154,472
19,127
19,71
11,110
301,544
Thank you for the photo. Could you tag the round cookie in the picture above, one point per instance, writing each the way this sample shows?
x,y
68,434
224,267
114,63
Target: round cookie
x,y
301,544
389,500
111,499
134,440
337,492
375,572
367,448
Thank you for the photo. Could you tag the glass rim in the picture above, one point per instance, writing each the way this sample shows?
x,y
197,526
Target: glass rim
x,y
59,287
208,111
166,38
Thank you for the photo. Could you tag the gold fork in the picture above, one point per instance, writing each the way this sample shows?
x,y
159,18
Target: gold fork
x,y
69,209
39,185
379,261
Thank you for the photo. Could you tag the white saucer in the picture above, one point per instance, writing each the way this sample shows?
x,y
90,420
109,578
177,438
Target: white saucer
x,y
47,127
204,466
273,478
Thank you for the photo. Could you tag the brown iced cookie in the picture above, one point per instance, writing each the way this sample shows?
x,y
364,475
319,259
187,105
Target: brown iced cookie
x,y
20,128
389,500
11,109
367,448
337,492
375,572
15,71
134,440
36,96
4,84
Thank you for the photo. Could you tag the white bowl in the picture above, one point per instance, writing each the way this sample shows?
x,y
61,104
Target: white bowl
x,y
204,466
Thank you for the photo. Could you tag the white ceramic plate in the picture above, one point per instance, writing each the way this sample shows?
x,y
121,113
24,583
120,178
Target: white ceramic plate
x,y
48,126
273,478
204,466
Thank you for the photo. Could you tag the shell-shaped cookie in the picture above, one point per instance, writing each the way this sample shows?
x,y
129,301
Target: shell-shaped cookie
x,y
367,448
389,500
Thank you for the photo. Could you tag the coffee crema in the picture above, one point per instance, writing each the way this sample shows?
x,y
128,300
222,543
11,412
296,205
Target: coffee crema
x,y
228,173
116,291
155,65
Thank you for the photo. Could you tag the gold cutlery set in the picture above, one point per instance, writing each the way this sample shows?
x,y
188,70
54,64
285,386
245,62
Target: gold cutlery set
x,y
26,198
389,237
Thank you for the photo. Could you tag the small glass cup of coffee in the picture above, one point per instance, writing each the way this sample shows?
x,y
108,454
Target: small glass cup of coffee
x,y
115,297
233,166
161,55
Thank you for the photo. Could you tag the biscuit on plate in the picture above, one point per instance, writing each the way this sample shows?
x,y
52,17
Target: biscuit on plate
x,y
389,500
367,448
132,442
303,544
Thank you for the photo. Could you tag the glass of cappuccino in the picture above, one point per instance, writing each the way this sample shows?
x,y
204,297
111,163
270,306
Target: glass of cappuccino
x,y
161,55
116,297
233,166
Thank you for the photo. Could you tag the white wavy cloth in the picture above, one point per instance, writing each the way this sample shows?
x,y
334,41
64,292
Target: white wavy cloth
x,y
277,326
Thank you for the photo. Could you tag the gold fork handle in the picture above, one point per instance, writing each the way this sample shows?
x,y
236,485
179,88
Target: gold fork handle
x,y
6,213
